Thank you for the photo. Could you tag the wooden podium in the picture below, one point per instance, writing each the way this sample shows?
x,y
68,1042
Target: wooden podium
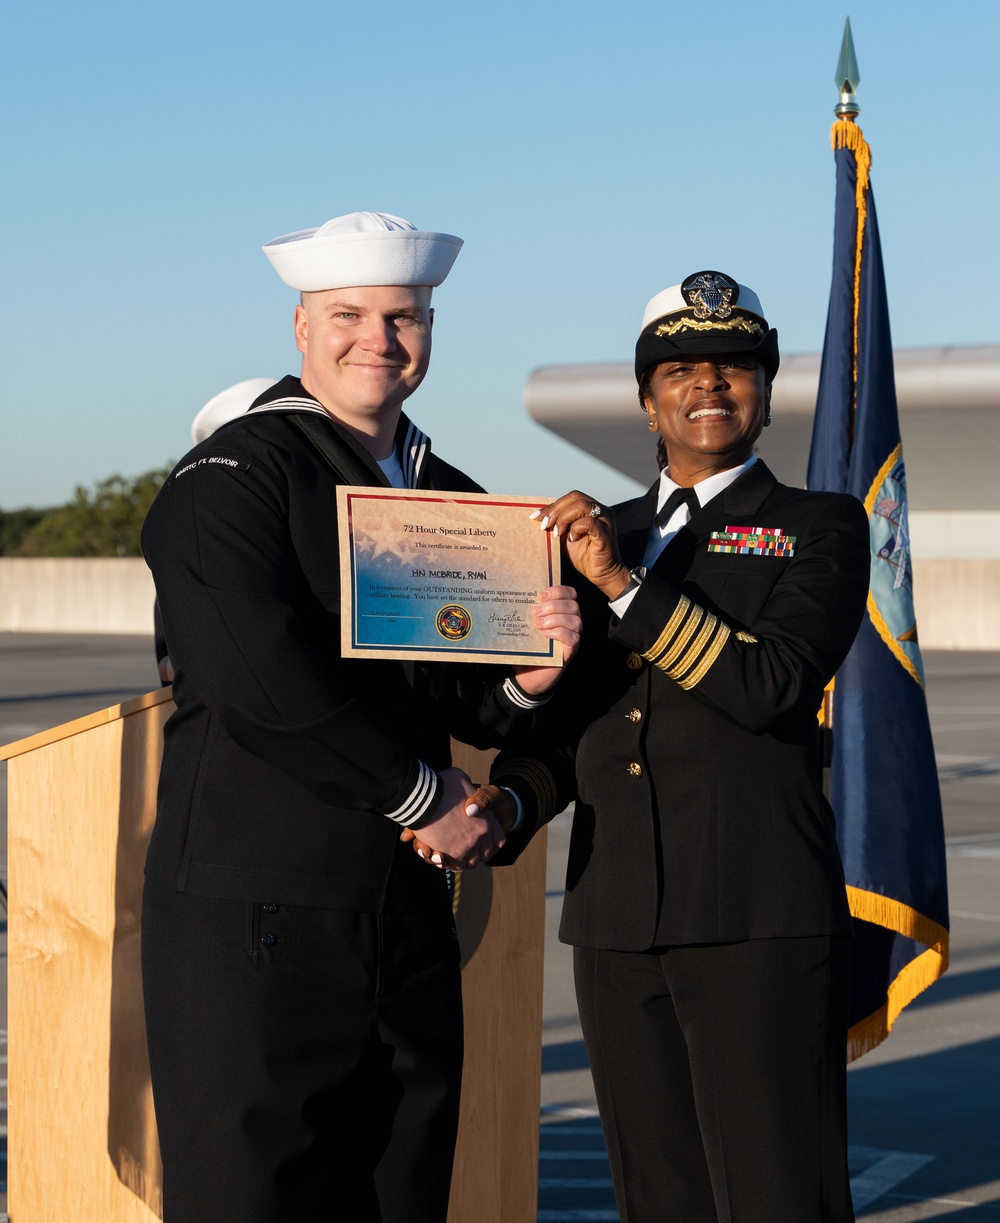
x,y
82,1141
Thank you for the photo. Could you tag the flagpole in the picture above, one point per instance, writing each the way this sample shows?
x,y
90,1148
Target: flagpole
x,y
847,78
883,783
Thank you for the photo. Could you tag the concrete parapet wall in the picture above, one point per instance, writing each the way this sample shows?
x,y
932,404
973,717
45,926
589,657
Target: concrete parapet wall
x,y
957,601
957,604
76,595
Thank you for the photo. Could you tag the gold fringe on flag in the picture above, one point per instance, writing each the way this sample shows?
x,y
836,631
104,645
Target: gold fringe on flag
x,y
872,907
845,134
824,715
912,979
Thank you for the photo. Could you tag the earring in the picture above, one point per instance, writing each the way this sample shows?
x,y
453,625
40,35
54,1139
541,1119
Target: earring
x,y
651,424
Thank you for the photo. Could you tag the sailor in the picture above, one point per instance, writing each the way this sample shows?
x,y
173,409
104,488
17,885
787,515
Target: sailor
x,y
300,966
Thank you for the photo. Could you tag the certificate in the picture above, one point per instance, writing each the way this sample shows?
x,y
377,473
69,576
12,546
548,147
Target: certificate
x,y
446,576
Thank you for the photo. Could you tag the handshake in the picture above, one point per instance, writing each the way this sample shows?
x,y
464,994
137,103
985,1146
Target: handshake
x,y
471,825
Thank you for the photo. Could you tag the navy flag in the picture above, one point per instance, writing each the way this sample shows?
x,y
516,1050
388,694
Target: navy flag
x,y
883,776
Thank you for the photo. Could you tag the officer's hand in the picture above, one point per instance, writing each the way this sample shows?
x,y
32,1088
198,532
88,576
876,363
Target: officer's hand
x,y
487,798
456,839
500,802
588,531
557,615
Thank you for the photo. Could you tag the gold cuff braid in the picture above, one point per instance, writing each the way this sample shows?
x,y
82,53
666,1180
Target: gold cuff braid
x,y
674,652
539,779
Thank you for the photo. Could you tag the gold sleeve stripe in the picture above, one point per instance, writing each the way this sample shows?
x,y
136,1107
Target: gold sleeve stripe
x,y
689,644
691,656
673,624
711,654
538,777
683,637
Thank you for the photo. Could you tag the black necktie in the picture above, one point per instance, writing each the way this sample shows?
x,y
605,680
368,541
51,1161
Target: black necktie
x,y
677,498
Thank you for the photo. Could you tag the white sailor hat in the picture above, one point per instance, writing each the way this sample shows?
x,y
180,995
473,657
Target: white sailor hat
x,y
362,248
227,405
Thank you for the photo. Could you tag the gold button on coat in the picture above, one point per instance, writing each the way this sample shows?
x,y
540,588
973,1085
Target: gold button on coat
x,y
634,770
633,661
634,715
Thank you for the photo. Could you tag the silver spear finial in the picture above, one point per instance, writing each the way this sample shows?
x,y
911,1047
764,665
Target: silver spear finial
x,y
848,77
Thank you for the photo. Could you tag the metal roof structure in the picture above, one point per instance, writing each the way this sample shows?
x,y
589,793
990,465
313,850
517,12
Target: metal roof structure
x,y
949,404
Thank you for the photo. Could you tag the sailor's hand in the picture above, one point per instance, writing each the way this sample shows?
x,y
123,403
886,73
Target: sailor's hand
x,y
557,615
499,803
454,838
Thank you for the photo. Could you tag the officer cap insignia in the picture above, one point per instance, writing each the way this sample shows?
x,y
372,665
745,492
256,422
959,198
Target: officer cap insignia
x,y
701,316
710,294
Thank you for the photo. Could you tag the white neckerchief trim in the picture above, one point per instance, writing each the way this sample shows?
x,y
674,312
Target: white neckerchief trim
x,y
415,446
411,452
290,403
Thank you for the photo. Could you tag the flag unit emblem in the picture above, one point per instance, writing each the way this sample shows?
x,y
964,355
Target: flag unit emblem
x,y
753,541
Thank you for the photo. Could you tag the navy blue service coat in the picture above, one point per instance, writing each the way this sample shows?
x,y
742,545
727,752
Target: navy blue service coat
x,y
687,730
283,761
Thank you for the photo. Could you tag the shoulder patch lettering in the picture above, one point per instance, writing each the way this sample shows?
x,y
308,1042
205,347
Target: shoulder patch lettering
x,y
229,462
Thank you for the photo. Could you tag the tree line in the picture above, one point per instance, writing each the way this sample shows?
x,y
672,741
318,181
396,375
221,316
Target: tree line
x,y
105,521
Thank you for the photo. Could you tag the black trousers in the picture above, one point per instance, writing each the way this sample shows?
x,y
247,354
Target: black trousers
x,y
306,1063
721,1079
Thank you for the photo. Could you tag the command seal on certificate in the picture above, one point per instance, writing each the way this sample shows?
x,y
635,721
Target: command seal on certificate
x,y
443,576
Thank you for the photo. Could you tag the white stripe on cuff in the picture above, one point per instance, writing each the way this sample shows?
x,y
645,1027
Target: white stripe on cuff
x,y
521,699
419,801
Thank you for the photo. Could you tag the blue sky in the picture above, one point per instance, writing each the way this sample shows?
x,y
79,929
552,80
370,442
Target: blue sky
x,y
589,154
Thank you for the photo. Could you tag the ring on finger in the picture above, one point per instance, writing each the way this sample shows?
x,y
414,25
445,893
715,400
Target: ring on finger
x,y
595,511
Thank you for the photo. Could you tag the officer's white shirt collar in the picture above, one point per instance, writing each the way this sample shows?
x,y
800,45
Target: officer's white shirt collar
x,y
705,489
659,537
